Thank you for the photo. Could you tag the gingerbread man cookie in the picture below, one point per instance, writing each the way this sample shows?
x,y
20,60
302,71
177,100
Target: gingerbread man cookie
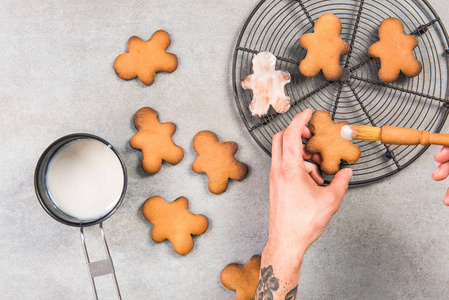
x,y
174,222
324,48
267,85
145,58
242,278
328,141
155,140
395,50
217,160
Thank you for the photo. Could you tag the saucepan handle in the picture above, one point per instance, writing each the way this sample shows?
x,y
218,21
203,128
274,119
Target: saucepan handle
x,y
100,267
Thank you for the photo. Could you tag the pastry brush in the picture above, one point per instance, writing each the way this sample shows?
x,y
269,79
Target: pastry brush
x,y
394,135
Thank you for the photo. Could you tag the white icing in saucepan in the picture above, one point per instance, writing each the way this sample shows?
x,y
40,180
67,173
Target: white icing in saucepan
x,y
85,179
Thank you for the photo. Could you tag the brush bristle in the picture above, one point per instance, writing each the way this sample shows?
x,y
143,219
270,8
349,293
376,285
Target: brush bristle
x,y
365,133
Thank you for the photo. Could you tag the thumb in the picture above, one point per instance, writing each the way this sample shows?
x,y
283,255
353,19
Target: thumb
x,y
339,185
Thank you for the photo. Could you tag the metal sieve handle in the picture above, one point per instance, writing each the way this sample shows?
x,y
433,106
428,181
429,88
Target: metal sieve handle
x,y
101,267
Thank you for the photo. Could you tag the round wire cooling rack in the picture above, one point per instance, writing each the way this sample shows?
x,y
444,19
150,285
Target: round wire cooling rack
x,y
359,97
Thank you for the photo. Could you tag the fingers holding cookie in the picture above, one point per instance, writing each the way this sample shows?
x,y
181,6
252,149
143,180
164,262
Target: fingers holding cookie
x,y
292,143
329,143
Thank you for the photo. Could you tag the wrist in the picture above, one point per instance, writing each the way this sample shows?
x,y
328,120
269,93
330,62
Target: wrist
x,y
280,271
284,255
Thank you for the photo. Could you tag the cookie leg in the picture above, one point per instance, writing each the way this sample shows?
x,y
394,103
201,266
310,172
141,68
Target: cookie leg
x,y
147,78
330,165
259,106
308,68
387,74
282,104
174,155
151,164
333,71
218,186
411,67
182,243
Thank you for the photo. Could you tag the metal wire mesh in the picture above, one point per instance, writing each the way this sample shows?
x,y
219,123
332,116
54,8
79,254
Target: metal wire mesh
x,y
359,97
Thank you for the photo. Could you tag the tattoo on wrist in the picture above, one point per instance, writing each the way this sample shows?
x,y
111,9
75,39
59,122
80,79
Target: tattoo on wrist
x,y
267,284
292,294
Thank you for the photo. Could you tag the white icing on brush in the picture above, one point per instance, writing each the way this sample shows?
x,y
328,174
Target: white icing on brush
x,y
346,132
267,85
85,179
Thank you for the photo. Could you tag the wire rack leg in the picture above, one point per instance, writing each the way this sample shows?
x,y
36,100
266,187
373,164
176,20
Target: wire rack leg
x,y
100,267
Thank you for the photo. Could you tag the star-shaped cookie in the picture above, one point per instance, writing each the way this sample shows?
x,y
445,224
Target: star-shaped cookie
x,y
174,222
328,141
324,48
242,278
145,58
395,50
155,140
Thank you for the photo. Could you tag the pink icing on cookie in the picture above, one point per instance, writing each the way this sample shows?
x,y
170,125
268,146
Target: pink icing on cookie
x,y
267,85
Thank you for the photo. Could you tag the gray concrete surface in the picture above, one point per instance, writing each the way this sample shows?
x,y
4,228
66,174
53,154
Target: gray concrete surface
x,y
389,240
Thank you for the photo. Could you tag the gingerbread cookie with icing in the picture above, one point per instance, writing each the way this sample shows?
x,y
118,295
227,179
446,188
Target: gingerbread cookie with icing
x,y
145,58
217,160
154,139
242,278
324,48
395,50
174,222
267,86
328,141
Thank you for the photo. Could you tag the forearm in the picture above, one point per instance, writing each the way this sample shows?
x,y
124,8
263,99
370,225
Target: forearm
x,y
279,273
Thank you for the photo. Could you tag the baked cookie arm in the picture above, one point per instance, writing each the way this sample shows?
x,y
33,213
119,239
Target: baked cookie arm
x,y
248,82
285,76
168,63
198,165
374,49
200,224
305,40
133,43
161,38
231,147
124,66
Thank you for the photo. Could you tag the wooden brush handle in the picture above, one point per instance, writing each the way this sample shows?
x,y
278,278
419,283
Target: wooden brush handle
x,y
407,136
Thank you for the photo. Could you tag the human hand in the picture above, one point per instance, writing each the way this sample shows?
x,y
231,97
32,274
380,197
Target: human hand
x,y
442,172
300,208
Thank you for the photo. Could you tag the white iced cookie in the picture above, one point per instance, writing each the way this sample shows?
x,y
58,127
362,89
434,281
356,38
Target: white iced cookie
x,y
267,86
